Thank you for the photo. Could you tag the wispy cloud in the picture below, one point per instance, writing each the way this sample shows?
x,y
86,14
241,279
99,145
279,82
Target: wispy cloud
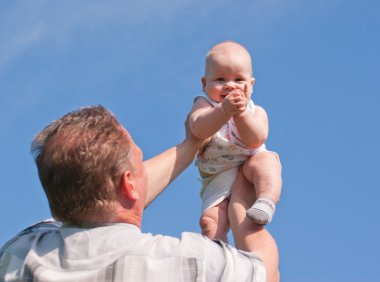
x,y
29,24
19,29
26,24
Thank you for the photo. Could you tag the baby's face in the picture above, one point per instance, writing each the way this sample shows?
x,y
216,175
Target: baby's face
x,y
227,71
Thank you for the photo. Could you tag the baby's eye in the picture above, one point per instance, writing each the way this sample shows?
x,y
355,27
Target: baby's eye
x,y
239,79
220,79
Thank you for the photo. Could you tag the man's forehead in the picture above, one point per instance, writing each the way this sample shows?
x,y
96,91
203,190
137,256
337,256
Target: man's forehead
x,y
126,133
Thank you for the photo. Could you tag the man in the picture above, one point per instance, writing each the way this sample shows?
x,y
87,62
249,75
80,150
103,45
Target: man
x,y
97,185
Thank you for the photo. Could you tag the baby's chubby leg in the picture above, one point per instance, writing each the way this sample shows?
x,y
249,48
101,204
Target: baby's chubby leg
x,y
214,221
263,170
249,236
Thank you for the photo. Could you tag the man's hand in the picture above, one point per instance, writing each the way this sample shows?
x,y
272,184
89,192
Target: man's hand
x,y
190,137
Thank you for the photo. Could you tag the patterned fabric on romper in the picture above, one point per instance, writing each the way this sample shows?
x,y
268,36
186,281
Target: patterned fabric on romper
x,y
225,150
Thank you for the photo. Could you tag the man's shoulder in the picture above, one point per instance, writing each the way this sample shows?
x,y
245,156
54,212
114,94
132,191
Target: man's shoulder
x,y
14,252
187,245
21,243
117,247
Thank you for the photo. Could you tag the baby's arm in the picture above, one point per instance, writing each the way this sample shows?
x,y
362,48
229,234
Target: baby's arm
x,y
205,120
252,127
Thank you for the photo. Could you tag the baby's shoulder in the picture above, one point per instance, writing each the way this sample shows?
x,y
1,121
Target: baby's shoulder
x,y
203,101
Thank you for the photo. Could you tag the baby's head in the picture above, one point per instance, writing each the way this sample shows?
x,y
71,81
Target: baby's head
x,y
228,67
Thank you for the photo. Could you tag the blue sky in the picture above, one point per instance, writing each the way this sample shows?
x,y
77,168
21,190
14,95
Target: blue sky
x,y
316,65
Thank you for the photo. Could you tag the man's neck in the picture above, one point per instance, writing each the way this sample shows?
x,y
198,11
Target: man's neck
x,y
127,216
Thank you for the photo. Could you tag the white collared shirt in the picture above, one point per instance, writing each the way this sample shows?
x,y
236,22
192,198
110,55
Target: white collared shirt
x,y
49,251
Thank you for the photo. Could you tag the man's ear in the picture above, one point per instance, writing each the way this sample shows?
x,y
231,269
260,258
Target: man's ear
x,y
203,83
127,186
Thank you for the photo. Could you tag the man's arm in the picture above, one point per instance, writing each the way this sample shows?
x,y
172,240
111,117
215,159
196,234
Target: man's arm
x,y
249,236
165,167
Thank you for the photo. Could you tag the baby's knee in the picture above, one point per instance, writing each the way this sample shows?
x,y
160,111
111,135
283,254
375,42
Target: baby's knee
x,y
207,223
213,229
262,161
214,222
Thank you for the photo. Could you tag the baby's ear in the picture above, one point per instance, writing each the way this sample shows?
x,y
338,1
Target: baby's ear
x,y
203,83
252,81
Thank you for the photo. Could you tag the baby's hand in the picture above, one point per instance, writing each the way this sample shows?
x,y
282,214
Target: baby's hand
x,y
236,102
247,94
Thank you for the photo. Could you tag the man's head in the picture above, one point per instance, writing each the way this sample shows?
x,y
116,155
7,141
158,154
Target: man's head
x,y
228,67
81,159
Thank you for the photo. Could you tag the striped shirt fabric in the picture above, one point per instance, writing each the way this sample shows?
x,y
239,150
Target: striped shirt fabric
x,y
50,251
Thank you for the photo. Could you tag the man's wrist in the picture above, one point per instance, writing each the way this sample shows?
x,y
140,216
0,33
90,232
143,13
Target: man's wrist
x,y
191,146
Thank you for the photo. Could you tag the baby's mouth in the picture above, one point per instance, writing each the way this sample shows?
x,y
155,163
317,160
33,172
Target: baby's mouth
x,y
224,94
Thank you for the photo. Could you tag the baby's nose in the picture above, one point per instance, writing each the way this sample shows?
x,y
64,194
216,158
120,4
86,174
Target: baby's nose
x,y
229,85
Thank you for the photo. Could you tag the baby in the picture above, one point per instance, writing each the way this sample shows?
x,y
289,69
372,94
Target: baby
x,y
239,130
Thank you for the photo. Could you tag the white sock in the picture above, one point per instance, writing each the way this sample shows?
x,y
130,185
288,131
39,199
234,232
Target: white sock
x,y
262,211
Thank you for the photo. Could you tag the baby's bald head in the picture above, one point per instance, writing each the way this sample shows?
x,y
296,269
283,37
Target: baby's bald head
x,y
227,50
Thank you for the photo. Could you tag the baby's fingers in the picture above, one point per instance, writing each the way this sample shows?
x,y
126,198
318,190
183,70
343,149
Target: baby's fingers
x,y
247,93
